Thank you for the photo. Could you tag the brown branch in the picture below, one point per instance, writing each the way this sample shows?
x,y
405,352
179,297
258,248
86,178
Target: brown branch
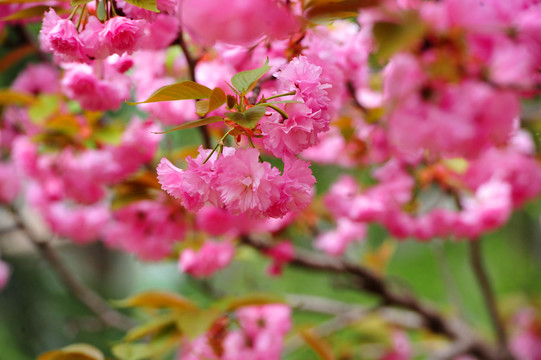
x,y
376,285
488,295
192,63
93,301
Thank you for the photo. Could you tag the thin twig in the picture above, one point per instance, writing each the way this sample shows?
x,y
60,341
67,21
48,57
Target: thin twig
x,y
488,294
93,301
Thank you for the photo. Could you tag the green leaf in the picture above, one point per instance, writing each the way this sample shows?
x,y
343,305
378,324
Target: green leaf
x,y
253,115
249,118
195,323
145,4
45,106
100,11
132,351
184,90
153,326
157,299
234,303
323,11
192,124
79,2
31,12
245,81
392,37
74,352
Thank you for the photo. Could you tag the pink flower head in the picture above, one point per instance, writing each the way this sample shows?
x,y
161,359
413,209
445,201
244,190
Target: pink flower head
x,y
149,229
246,185
37,79
211,257
336,241
61,37
281,254
80,83
9,182
122,35
4,274
193,186
236,21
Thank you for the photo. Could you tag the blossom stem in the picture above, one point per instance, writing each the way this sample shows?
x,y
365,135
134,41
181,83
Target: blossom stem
x,y
81,17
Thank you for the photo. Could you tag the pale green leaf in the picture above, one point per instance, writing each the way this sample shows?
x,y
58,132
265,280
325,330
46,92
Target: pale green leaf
x,y
100,11
195,323
132,351
145,4
192,124
245,81
184,90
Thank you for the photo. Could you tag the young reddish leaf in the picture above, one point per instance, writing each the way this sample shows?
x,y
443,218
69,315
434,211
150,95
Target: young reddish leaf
x,y
245,81
145,4
202,107
192,124
8,97
231,101
157,299
184,90
33,11
14,56
217,99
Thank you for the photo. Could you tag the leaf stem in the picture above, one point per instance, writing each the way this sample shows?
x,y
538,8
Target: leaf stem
x,y
280,95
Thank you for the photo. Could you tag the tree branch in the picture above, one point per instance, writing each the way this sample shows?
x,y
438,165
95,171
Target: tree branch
x,y
375,285
488,295
93,301
192,63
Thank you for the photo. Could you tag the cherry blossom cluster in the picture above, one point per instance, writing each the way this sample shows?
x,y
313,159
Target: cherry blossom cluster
x,y
260,336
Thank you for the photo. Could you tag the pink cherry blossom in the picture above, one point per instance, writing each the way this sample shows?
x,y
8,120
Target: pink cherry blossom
x,y
205,261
